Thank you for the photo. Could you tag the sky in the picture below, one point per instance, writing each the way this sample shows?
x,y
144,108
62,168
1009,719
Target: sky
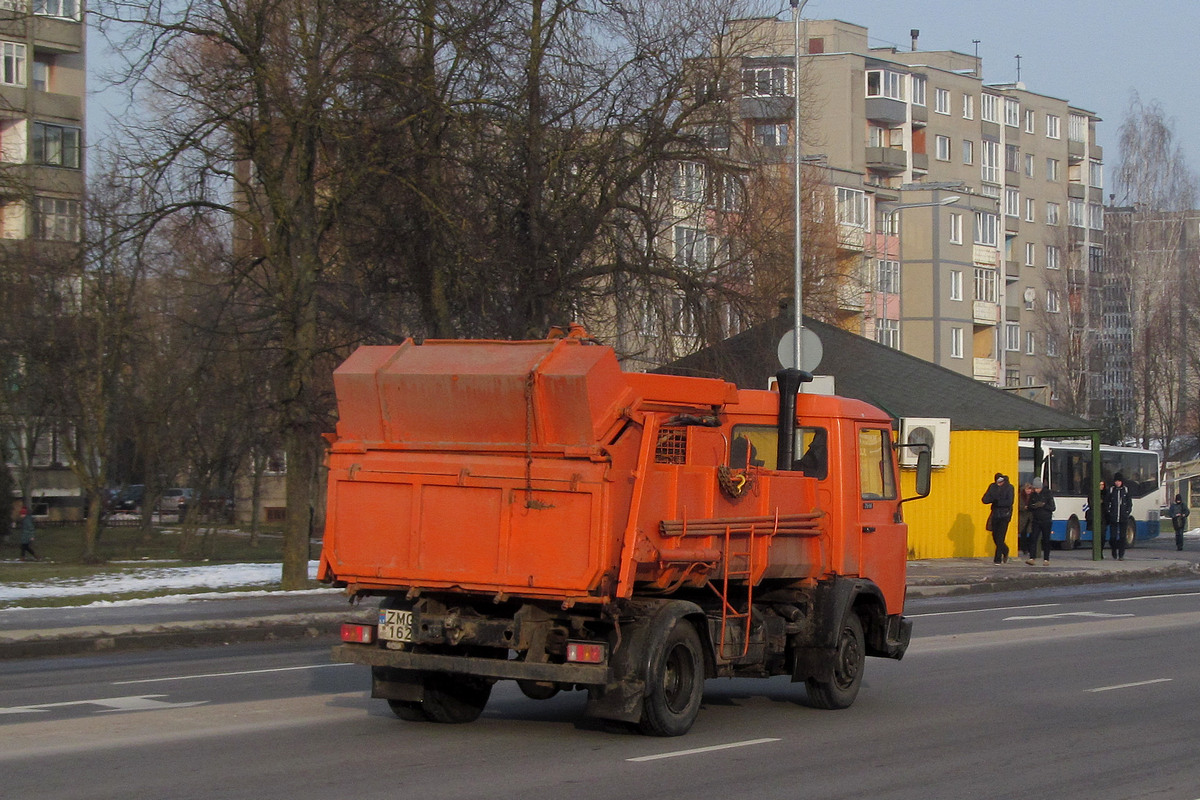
x,y
1093,54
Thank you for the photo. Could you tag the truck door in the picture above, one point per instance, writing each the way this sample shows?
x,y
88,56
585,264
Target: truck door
x,y
884,549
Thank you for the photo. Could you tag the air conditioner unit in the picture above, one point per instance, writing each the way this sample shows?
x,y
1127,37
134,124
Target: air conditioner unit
x,y
934,432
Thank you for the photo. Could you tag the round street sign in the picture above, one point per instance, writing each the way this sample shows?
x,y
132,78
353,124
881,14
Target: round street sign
x,y
811,354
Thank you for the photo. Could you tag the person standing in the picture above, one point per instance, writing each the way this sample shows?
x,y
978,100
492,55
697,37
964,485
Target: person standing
x,y
999,495
1179,515
25,520
1041,510
1024,521
1118,508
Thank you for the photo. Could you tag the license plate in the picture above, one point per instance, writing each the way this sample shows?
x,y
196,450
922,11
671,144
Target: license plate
x,y
395,625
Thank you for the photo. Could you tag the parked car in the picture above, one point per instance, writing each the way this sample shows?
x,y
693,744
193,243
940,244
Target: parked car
x,y
128,499
175,501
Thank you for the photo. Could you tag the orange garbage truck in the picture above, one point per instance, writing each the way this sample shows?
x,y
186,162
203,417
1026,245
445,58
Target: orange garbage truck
x,y
527,511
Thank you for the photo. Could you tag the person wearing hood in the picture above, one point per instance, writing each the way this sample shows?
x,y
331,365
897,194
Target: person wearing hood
x,y
999,495
1041,509
1179,514
1118,508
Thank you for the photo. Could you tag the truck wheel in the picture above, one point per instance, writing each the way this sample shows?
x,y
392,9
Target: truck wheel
x,y
450,699
675,683
848,664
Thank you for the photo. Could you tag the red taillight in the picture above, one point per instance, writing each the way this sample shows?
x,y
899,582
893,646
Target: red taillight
x,y
585,653
358,633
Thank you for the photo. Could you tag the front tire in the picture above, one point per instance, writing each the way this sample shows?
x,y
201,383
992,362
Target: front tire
x,y
848,664
675,683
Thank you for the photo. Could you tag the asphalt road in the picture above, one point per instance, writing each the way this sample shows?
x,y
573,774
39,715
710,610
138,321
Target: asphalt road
x,y
1089,694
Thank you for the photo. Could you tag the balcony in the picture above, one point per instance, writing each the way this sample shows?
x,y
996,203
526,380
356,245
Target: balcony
x,y
1012,271
765,107
1076,151
920,161
885,109
1076,191
851,237
986,313
985,256
920,116
987,370
887,159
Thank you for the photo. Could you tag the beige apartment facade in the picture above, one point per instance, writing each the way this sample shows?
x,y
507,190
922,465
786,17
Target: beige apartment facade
x,y
994,285
42,108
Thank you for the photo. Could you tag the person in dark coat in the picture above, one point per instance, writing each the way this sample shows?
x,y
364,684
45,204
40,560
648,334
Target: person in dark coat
x,y
1041,511
1024,521
1179,514
999,495
25,521
1118,508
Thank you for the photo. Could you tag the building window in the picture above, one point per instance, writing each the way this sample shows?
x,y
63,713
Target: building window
x,y
693,247
1051,169
1051,346
732,192
956,342
968,150
956,228
1030,120
986,225
988,108
1030,254
1075,213
941,101
1012,112
1052,126
1053,254
1095,259
851,207
1029,209
67,9
968,106
58,219
918,90
1096,216
956,284
1052,301
1012,337
1096,174
1029,165
942,148
13,73
888,276
771,134
887,332
1077,127
767,82
1012,158
55,145
1052,216
1029,343
1012,203
885,83
690,182
985,285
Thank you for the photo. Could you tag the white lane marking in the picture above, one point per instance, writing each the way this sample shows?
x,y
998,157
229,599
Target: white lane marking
x,y
227,674
696,750
981,610
1151,597
144,702
1129,685
1094,614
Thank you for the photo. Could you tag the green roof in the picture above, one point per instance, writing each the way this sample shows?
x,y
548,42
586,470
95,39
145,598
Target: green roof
x,y
900,384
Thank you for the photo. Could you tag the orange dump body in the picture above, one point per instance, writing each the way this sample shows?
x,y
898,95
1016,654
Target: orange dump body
x,y
539,469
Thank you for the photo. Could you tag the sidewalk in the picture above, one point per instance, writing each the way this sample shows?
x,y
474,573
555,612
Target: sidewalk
x,y
43,632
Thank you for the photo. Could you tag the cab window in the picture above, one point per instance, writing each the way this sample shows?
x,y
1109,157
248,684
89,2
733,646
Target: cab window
x,y
758,446
877,479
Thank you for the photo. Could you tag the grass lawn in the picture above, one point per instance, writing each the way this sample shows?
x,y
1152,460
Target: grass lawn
x,y
125,550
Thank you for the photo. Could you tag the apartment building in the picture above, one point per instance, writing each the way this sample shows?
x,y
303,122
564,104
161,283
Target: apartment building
x,y
42,97
981,285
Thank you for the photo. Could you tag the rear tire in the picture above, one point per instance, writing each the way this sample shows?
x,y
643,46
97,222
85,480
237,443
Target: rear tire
x,y
674,684
848,664
1131,533
1071,540
448,699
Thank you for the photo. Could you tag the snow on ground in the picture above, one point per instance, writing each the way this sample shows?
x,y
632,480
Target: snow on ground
x,y
153,579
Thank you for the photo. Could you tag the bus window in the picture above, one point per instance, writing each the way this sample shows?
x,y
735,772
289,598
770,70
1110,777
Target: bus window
x,y
877,480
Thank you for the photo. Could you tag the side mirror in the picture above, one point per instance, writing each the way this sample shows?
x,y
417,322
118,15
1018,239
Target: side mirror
x,y
924,472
